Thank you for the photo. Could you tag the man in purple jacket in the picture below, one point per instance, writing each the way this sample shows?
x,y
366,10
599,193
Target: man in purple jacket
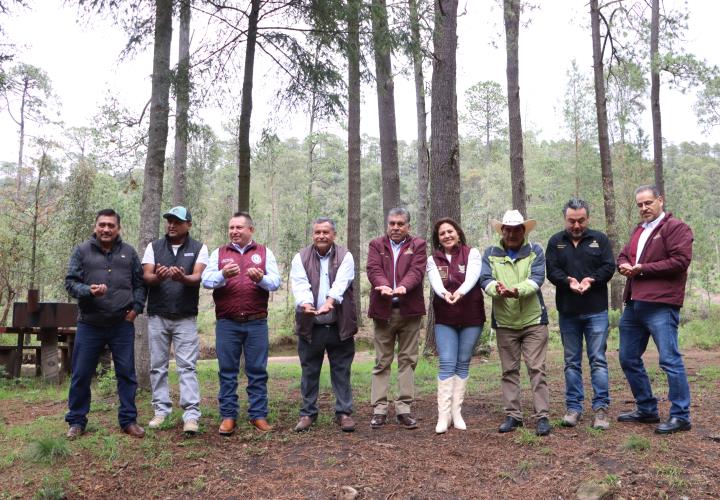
x,y
655,263
395,268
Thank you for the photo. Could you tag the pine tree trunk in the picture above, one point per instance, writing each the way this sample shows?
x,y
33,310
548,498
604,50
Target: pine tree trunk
x,y
386,107
444,142
154,163
246,111
655,97
517,167
182,87
423,154
604,144
354,151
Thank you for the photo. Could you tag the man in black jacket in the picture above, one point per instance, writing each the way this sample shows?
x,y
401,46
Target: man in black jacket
x,y
580,263
172,267
104,274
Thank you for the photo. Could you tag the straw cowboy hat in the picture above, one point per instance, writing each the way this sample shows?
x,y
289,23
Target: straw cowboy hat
x,y
513,218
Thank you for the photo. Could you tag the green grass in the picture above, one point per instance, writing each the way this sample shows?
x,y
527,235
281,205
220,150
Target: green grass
x,y
593,432
527,437
636,443
47,450
672,476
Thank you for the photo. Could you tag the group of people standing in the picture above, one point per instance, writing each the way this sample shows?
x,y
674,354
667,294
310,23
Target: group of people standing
x,y
110,282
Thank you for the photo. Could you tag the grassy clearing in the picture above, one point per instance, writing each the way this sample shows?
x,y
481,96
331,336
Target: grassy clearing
x,y
48,450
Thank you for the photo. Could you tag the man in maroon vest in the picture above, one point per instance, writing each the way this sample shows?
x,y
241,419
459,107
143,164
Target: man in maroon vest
x,y
395,268
241,275
325,320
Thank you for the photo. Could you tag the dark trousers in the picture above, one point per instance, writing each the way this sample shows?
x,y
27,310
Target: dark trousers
x,y
90,341
340,354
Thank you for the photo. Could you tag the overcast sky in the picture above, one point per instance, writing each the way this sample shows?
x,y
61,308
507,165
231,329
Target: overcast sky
x,y
82,63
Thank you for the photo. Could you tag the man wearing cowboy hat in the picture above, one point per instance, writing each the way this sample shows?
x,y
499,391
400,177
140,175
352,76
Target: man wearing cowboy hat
x,y
512,273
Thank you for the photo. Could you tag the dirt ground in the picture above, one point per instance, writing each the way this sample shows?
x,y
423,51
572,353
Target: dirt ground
x,y
630,460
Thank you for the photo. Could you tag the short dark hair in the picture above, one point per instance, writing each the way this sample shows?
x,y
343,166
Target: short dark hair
x,y
398,211
323,220
648,187
245,215
453,223
576,204
108,212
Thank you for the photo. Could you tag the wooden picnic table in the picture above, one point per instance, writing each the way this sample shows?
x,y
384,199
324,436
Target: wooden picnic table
x,y
54,325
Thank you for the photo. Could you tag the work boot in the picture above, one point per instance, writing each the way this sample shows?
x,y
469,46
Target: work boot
x,y
571,418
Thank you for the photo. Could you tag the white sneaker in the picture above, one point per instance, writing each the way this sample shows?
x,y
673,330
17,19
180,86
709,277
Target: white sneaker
x,y
157,421
191,426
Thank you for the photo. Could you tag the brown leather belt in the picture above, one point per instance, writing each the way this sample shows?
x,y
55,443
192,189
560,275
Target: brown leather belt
x,y
244,318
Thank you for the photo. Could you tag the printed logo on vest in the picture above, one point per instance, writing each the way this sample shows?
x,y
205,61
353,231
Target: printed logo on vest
x,y
408,251
594,244
189,254
122,255
461,268
226,262
256,259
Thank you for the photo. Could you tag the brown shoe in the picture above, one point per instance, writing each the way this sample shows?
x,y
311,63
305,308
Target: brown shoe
x,y
227,427
378,420
75,431
134,430
407,421
304,423
346,423
261,424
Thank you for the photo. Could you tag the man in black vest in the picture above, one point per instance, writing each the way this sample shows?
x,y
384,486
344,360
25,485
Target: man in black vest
x,y
325,320
104,274
172,267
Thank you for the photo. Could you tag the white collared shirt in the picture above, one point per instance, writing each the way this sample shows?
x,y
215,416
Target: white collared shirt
x,y
472,273
648,228
301,284
212,277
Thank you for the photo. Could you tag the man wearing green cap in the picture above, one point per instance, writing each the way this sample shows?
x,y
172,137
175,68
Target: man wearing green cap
x,y
172,267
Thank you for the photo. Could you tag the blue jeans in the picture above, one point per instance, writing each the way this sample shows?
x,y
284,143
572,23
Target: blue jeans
x,y
455,347
90,341
639,322
231,337
594,329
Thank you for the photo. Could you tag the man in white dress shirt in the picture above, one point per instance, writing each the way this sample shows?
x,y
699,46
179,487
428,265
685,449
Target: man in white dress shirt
x,y
325,321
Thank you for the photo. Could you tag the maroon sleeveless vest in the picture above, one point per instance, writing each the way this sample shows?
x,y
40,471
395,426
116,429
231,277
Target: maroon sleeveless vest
x,y
468,311
241,296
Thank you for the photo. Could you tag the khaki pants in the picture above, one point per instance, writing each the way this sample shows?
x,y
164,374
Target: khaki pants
x,y
406,332
530,342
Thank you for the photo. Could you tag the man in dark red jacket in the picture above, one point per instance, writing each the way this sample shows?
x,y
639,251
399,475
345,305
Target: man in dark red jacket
x,y
395,268
655,262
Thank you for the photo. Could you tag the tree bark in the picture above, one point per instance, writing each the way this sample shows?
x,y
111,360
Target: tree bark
x,y
423,154
386,107
604,144
182,88
246,110
511,12
154,163
354,145
655,97
444,142
21,146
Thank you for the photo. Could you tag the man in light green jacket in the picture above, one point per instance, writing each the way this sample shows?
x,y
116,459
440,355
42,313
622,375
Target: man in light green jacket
x,y
513,271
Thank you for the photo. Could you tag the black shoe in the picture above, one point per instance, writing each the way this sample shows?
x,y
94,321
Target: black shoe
x,y
638,417
673,425
407,420
510,424
542,428
378,420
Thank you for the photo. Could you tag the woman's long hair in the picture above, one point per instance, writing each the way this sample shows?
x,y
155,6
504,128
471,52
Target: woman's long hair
x,y
436,227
